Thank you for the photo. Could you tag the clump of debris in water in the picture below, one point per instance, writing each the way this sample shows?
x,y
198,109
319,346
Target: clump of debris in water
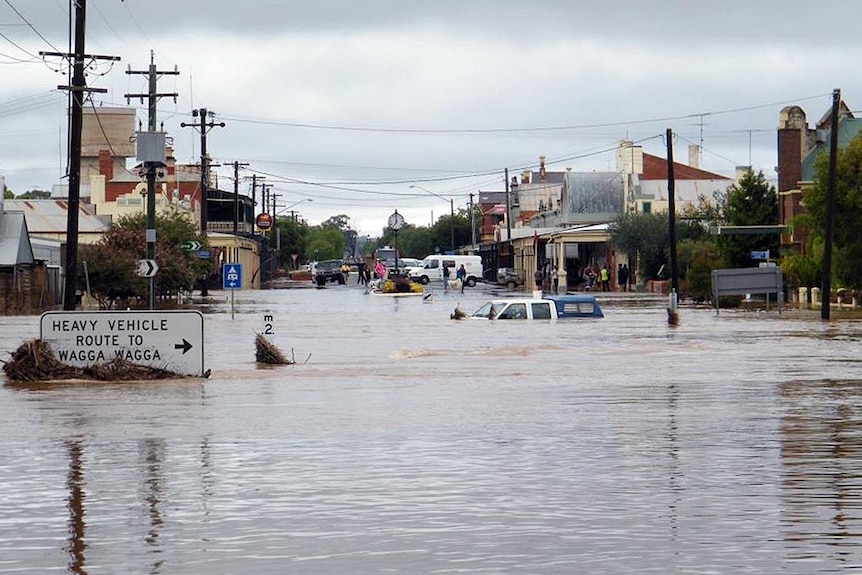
x,y
35,361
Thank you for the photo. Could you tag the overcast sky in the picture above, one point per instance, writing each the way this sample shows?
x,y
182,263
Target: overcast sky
x,y
349,103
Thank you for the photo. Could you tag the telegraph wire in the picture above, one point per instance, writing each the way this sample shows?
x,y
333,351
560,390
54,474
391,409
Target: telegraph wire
x,y
30,25
517,130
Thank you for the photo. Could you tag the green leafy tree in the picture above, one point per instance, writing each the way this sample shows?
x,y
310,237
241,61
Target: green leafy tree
x,y
8,194
293,240
412,241
804,269
847,242
750,202
324,242
35,195
112,263
697,258
111,275
340,222
645,238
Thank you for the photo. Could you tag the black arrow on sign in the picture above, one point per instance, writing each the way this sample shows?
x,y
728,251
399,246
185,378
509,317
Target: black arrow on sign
x,y
185,346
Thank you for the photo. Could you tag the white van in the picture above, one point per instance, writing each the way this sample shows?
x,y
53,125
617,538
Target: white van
x,y
432,268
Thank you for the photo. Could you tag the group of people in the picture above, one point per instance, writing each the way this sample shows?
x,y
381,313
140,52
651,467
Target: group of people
x,y
365,272
460,275
591,278
594,278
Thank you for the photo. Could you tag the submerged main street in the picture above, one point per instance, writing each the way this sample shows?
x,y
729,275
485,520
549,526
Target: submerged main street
x,y
403,441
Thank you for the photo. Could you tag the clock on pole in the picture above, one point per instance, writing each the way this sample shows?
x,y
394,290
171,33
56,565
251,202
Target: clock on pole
x,y
396,221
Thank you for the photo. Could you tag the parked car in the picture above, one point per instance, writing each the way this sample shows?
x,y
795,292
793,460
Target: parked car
x,y
509,277
328,271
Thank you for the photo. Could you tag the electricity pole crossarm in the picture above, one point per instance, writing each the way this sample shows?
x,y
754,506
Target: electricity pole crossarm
x,y
236,167
76,119
152,95
153,159
203,128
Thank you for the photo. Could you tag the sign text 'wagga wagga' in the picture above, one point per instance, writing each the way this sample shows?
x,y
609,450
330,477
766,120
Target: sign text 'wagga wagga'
x,y
124,339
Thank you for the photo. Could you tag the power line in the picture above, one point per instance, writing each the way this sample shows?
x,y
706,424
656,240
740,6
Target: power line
x,y
28,23
516,130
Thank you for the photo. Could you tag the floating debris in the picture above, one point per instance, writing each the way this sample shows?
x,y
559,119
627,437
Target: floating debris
x,y
34,361
267,352
458,313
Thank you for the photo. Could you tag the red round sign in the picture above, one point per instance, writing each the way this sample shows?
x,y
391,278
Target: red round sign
x,y
263,221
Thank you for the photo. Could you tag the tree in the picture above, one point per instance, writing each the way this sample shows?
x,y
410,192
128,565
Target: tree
x,y
293,238
847,242
112,263
340,222
697,258
645,238
324,242
35,195
412,241
750,202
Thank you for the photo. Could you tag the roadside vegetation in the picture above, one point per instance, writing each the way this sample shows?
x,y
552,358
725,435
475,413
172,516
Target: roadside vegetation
x,y
753,202
109,267
646,236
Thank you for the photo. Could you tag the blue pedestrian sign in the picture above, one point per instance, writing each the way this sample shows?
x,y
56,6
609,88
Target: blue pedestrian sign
x,y
231,277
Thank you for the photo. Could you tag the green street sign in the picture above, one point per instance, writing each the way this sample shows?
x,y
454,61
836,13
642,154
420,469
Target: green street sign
x,y
191,246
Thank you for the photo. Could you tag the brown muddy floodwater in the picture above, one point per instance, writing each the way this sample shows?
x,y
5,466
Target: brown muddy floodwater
x,y
411,443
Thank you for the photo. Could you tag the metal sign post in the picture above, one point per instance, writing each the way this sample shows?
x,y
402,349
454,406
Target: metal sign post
x,y
231,278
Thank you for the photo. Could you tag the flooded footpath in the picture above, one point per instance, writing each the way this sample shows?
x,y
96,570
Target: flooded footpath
x,y
405,442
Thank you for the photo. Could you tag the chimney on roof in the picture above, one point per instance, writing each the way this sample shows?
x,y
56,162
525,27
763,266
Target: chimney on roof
x,y
525,176
694,155
106,165
543,174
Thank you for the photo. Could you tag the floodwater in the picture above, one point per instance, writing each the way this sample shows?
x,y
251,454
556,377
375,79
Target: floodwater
x,y
405,442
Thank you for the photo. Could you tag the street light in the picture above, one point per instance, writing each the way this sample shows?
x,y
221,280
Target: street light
x,y
293,204
451,212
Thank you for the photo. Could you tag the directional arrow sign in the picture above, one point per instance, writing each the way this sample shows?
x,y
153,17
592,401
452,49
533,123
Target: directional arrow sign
x,y
185,346
147,268
191,246
171,340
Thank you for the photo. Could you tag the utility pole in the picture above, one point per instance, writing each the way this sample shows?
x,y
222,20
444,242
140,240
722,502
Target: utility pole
x,y
274,240
236,167
472,223
76,121
508,212
154,159
253,195
203,127
828,228
672,314
671,212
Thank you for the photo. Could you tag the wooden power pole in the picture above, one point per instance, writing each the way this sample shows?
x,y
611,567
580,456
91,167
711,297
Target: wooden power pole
x,y
152,144
76,121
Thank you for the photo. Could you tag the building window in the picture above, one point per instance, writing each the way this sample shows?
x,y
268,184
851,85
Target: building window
x,y
647,207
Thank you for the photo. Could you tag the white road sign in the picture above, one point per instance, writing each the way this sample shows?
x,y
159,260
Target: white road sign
x,y
172,340
147,268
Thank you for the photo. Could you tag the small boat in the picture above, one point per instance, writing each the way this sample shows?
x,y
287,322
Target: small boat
x,y
543,307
